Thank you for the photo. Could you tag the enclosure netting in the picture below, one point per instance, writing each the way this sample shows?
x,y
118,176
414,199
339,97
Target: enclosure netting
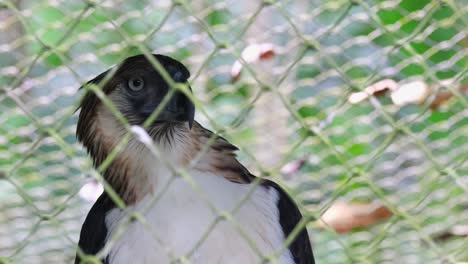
x,y
288,82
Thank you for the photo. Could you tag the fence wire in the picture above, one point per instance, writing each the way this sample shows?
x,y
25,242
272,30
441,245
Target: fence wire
x,y
358,108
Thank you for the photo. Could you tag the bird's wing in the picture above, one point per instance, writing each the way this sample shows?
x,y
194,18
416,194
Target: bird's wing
x,y
94,231
290,216
226,164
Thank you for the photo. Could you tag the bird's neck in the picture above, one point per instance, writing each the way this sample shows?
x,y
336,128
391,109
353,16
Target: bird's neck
x,y
140,168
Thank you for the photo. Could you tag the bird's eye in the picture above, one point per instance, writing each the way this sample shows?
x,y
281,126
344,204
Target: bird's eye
x,y
136,84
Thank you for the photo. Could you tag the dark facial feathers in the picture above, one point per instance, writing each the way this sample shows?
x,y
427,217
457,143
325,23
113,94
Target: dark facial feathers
x,y
137,106
174,68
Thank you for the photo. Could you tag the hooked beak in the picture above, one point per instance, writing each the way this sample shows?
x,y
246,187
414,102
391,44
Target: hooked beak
x,y
179,108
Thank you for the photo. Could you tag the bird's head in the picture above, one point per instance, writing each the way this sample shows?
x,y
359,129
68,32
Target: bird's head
x,y
136,89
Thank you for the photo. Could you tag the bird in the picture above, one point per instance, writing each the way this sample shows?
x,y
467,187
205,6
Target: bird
x,y
218,213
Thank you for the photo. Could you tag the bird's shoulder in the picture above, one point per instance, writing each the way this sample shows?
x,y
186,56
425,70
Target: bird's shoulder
x,y
289,217
221,155
94,231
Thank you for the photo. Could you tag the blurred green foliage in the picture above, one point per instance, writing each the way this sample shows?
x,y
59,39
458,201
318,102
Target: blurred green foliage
x,y
417,38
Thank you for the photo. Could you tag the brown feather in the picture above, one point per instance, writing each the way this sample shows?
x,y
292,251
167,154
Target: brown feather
x,y
220,158
217,155
100,132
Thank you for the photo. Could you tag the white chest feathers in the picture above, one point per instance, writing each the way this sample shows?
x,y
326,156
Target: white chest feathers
x,y
181,223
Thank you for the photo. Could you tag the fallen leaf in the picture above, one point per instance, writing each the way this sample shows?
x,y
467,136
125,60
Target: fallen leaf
x,y
415,92
91,190
251,54
455,231
445,96
292,167
343,217
376,89
411,93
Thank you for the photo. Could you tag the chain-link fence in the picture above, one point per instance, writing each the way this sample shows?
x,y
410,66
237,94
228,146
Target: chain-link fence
x,y
357,108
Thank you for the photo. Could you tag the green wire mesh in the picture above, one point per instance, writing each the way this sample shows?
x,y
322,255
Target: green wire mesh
x,y
287,109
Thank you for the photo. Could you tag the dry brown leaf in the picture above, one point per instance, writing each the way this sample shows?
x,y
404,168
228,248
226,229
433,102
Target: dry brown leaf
x,y
251,54
415,92
445,96
343,217
376,89
455,231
